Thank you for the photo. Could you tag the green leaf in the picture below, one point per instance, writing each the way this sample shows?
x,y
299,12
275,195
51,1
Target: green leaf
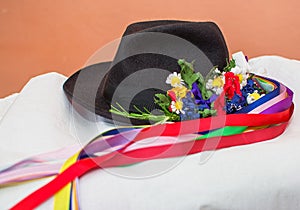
x,y
208,112
188,74
141,115
230,65
211,74
186,66
162,100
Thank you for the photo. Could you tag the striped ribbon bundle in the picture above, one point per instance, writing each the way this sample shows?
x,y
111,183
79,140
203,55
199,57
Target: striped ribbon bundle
x,y
262,120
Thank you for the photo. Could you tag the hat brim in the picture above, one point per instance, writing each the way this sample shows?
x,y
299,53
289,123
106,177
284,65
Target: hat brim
x,y
84,91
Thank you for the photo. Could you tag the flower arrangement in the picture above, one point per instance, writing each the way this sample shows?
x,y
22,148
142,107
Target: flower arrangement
x,y
191,96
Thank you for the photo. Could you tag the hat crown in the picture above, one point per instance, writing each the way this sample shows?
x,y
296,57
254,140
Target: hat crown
x,y
147,54
152,49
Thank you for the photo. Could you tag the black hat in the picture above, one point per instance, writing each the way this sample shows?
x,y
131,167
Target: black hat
x,y
147,53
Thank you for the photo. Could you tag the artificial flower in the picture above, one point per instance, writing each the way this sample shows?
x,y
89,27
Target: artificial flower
x,y
180,91
242,75
217,71
248,88
253,97
172,95
190,108
216,84
243,79
226,91
242,68
231,85
176,106
175,80
238,70
236,103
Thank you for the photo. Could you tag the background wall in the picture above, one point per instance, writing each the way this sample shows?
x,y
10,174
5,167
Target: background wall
x,y
60,35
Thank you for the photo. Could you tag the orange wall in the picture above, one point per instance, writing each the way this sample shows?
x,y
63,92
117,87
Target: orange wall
x,y
38,36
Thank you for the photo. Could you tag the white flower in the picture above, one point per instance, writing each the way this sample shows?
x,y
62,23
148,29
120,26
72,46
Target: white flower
x,y
177,106
175,80
216,84
237,70
242,68
217,71
253,97
243,79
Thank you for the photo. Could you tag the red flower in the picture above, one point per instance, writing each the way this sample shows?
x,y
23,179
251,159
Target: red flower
x,y
172,95
232,85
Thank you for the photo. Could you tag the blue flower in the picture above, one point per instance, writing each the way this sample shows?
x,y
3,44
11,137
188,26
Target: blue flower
x,y
235,104
249,88
190,108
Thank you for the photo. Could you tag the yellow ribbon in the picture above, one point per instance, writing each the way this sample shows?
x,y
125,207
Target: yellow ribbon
x,y
62,197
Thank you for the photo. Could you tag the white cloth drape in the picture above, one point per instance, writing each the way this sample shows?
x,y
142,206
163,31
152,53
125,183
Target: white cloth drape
x,y
258,176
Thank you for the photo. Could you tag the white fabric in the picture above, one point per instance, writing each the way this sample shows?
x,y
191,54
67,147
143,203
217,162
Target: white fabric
x,y
258,176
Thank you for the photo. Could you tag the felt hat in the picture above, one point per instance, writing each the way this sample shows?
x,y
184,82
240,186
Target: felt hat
x,y
147,53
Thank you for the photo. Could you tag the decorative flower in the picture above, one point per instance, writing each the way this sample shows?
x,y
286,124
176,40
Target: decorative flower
x,y
191,110
253,97
238,70
241,68
217,71
226,91
236,103
176,106
242,74
216,84
180,92
248,88
243,79
175,80
232,85
172,95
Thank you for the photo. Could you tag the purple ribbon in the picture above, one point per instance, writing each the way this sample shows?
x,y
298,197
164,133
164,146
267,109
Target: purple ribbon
x,y
205,104
281,105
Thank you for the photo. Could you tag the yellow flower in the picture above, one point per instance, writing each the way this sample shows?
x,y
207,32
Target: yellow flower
x,y
180,91
218,82
253,97
240,77
176,107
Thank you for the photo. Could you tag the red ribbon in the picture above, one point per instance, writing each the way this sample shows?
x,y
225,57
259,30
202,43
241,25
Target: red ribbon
x,y
123,157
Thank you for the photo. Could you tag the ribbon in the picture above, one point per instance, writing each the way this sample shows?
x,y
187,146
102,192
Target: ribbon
x,y
60,197
275,91
123,158
273,125
234,130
